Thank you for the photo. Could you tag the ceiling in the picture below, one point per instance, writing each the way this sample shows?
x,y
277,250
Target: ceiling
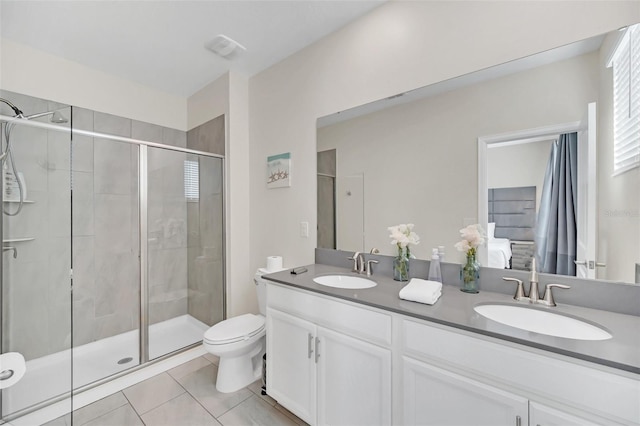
x,y
161,44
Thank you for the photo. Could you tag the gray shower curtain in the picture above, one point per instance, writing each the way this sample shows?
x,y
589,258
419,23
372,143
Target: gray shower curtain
x,y
556,225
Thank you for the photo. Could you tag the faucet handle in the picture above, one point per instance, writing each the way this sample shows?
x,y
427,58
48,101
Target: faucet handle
x,y
547,299
520,290
355,257
368,268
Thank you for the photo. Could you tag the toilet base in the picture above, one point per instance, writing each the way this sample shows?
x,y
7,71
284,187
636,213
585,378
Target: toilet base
x,y
235,373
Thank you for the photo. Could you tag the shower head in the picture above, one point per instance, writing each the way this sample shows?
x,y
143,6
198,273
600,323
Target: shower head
x,y
56,116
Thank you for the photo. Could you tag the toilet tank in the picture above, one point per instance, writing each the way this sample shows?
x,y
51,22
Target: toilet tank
x,y
261,290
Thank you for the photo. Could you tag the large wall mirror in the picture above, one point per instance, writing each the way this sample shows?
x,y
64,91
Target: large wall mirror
x,y
476,149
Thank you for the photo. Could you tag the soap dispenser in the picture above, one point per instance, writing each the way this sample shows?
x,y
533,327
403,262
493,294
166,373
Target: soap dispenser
x,y
435,273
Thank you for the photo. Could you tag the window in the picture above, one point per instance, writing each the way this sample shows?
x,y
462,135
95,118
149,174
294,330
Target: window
x,y
191,181
626,101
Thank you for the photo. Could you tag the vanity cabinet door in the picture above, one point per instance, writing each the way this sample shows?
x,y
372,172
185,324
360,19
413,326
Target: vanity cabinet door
x,y
354,381
291,367
433,396
542,415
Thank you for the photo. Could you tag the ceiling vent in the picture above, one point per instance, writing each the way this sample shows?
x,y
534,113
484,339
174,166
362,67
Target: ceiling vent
x,y
225,47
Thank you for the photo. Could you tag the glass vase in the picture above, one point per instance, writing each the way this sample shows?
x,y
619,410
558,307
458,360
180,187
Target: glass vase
x,y
470,274
401,265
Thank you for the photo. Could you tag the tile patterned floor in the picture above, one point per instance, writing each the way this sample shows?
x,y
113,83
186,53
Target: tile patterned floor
x,y
184,395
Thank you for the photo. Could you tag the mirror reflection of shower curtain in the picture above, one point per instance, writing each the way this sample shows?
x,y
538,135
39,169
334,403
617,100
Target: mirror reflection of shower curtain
x,y
556,226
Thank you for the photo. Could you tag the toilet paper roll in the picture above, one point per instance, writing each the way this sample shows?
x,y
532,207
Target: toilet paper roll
x,y
274,263
12,368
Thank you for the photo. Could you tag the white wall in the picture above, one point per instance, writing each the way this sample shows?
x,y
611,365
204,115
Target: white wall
x,y
397,47
228,95
518,165
242,294
209,102
32,72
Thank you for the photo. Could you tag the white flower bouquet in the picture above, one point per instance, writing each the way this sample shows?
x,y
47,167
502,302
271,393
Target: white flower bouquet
x,y
472,237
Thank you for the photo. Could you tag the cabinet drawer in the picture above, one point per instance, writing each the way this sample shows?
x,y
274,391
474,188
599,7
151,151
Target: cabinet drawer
x,y
433,396
351,319
527,371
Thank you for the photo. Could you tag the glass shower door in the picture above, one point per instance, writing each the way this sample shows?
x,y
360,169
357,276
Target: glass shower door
x,y
36,258
106,256
185,248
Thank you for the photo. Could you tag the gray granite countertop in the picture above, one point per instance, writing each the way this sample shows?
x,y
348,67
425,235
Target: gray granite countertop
x,y
455,309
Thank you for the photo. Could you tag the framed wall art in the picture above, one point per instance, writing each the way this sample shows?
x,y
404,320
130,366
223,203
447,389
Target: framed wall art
x,y
279,170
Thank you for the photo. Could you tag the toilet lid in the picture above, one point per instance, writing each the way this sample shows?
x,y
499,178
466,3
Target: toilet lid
x,y
235,329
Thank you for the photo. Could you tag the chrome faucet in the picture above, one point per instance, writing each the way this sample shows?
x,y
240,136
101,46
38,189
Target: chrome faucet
x,y
368,269
357,262
534,296
360,266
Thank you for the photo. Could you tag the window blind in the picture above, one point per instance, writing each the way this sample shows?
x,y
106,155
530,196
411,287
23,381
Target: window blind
x,y
191,181
626,101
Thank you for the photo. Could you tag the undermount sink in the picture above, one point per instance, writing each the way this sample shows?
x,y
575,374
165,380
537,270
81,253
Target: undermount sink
x,y
543,322
344,281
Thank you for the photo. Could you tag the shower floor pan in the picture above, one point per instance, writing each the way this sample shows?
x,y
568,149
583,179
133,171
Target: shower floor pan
x,y
49,376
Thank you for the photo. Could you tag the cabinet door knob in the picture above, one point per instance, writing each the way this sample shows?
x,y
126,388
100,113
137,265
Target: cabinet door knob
x,y
310,346
317,349
518,421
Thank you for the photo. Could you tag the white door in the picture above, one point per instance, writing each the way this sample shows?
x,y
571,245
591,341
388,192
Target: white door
x,y
291,368
587,185
433,396
350,212
542,415
354,381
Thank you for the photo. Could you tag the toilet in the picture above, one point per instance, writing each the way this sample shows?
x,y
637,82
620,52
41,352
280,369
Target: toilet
x,y
240,344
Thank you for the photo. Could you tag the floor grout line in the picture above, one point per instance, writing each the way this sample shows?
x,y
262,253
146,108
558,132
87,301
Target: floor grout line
x,y
253,393
131,405
231,408
106,412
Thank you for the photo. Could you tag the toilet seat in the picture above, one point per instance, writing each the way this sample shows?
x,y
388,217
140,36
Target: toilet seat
x,y
235,329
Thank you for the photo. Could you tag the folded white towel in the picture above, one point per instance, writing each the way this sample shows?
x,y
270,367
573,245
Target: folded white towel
x,y
423,291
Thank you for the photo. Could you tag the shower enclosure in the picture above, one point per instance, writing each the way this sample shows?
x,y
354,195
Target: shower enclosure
x,y
113,252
